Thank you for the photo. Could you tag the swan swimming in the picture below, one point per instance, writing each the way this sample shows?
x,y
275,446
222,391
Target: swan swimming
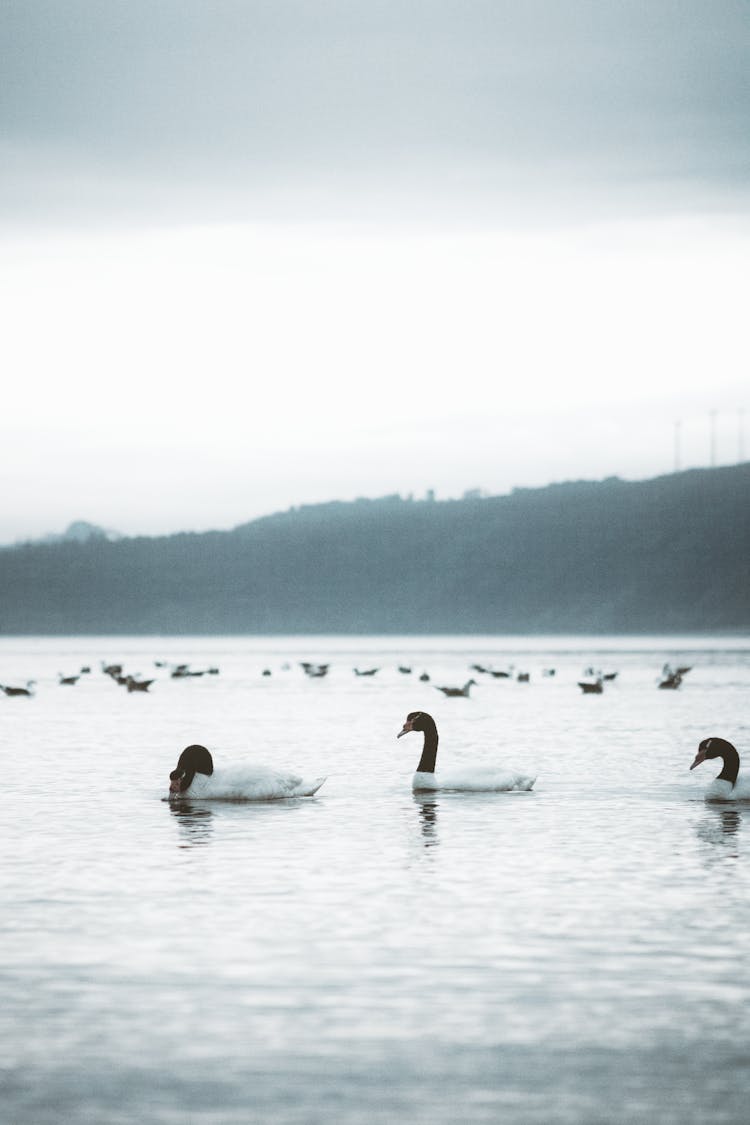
x,y
470,779
725,786
195,777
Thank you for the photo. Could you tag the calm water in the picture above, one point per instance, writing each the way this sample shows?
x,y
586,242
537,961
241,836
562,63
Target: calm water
x,y
576,954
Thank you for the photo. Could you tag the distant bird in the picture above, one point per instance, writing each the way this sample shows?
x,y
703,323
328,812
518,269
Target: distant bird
x,y
454,692
266,672
591,686
195,778
315,671
479,668
183,672
609,676
405,669
112,669
213,671
365,671
470,778
671,679
499,675
28,690
85,670
424,678
523,677
67,679
726,786
548,671
137,685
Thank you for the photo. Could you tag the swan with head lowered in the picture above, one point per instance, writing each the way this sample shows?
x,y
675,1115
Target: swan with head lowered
x,y
196,778
726,786
470,779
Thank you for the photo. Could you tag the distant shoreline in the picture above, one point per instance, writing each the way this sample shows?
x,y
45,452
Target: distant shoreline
x,y
669,556
656,635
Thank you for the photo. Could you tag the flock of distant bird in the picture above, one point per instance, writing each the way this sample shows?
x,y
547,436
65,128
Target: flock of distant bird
x,y
593,680
591,683
117,674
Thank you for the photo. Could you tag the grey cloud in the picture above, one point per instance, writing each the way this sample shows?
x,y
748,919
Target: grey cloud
x,y
301,105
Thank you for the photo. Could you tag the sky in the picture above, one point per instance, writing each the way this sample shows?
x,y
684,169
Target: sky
x,y
259,254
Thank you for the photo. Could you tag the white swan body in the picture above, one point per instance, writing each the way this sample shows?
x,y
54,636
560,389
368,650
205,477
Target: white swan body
x,y
725,791
195,778
727,786
466,779
473,780
250,783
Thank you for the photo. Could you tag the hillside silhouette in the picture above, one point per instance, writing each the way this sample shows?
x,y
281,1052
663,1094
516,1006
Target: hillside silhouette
x,y
671,554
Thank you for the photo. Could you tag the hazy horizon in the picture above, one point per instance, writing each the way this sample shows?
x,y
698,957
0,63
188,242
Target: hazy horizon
x,y
404,494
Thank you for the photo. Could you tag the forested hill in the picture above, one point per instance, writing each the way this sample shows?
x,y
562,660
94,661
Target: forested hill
x,y
665,555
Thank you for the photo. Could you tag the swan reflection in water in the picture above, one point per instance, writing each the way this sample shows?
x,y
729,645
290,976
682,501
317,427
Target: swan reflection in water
x,y
428,805
721,827
194,822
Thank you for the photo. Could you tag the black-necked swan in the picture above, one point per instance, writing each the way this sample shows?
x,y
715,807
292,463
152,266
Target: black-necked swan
x,y
195,777
726,786
472,779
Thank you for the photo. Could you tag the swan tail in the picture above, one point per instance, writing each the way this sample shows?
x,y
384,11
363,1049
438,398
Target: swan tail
x,y
521,783
308,788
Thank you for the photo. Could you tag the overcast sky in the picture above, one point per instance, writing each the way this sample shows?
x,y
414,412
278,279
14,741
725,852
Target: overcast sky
x,y
261,254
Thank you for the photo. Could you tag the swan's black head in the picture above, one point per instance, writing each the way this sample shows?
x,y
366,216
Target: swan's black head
x,y
420,720
417,720
719,748
193,759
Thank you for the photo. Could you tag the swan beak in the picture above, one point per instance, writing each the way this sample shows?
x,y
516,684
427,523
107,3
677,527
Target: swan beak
x,y
407,728
175,781
699,757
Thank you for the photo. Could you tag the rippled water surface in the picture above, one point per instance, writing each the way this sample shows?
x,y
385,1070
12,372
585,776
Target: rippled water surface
x,y
575,954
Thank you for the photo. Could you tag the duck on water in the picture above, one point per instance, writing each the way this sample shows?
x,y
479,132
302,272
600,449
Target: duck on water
x,y
470,779
26,691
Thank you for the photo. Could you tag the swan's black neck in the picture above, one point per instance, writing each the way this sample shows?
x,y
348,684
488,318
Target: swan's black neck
x,y
429,749
719,748
731,760
193,759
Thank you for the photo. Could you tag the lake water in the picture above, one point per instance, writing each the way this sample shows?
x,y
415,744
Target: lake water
x,y
577,954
